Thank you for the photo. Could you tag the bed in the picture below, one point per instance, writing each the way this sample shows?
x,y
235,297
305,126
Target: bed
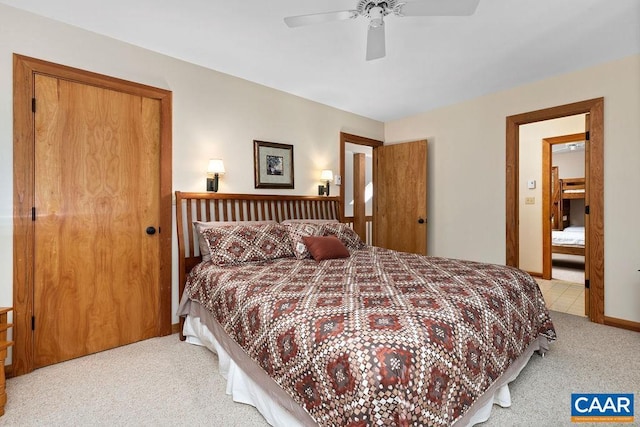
x,y
373,337
566,238
572,188
569,241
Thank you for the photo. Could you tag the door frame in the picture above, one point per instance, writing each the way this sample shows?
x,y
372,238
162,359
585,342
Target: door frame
x,y
24,71
357,140
547,162
594,176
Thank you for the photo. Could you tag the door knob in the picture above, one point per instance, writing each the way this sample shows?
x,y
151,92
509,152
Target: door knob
x,y
151,231
421,220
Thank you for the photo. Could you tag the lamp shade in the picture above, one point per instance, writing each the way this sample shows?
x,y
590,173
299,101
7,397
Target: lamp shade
x,y
215,166
326,175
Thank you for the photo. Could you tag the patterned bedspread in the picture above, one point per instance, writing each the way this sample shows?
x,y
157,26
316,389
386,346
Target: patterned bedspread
x,y
380,338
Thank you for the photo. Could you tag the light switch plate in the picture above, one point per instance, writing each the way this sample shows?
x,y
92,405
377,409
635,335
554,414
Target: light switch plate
x,y
337,180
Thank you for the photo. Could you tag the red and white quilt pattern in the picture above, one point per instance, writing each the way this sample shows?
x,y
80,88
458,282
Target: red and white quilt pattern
x,y
380,338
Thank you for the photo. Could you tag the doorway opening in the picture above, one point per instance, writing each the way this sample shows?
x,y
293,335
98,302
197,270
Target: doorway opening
x,y
594,200
357,157
563,165
564,161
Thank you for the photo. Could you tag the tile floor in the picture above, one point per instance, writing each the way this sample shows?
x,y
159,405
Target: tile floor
x,y
563,296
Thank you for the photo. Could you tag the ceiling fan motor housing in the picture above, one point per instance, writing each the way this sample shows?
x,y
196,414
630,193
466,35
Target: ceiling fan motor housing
x,y
372,8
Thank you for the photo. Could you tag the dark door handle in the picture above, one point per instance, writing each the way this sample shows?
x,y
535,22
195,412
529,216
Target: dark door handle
x,y
151,231
421,221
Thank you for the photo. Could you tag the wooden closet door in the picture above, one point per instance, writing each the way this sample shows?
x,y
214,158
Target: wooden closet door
x,y
96,192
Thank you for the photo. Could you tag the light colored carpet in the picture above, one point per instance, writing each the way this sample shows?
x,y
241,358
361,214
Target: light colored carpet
x,y
586,358
165,382
157,382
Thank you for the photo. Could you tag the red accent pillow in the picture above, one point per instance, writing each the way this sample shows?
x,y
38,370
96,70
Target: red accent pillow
x,y
325,247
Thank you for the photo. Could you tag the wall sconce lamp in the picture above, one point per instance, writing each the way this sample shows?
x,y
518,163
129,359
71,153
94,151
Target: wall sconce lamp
x,y
326,175
215,169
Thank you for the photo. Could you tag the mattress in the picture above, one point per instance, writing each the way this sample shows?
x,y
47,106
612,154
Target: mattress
x,y
570,236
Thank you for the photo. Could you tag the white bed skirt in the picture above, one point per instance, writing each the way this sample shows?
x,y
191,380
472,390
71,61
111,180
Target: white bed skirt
x,y
271,404
239,385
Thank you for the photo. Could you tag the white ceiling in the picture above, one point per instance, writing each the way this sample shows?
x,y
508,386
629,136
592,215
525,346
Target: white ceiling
x,y
569,147
430,62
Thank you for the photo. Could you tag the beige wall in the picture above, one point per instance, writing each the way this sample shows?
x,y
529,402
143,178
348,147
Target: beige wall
x,y
214,115
467,170
531,136
570,164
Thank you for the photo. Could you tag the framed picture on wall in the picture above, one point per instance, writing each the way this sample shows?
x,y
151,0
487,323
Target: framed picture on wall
x,y
272,164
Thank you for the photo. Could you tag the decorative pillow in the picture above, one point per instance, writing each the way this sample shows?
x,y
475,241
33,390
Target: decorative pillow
x,y
297,231
200,226
345,233
235,244
325,247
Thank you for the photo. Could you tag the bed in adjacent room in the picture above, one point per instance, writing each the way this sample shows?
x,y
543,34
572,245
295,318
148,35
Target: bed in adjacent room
x,y
570,240
567,237
313,327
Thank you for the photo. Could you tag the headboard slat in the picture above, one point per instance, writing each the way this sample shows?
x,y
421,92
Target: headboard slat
x,y
270,214
262,214
234,208
189,234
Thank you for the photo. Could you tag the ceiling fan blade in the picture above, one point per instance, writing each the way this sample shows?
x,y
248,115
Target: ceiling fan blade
x,y
376,42
438,8
319,18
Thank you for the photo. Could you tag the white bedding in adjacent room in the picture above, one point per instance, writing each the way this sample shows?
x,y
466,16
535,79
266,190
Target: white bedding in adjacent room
x,y
573,236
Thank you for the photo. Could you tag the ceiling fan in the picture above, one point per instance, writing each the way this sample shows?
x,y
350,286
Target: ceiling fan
x,y
377,10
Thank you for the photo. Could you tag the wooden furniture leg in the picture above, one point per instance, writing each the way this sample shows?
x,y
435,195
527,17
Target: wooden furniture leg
x,y
4,345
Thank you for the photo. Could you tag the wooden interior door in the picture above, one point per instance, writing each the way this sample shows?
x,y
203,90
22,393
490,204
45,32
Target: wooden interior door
x,y
96,266
400,206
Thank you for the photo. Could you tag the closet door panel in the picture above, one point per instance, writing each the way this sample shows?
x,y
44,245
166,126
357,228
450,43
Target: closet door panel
x,y
96,192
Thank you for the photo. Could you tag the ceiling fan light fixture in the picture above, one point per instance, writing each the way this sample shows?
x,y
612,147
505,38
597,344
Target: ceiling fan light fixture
x,y
376,23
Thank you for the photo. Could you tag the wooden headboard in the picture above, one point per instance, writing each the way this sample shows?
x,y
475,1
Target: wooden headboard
x,y
192,207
